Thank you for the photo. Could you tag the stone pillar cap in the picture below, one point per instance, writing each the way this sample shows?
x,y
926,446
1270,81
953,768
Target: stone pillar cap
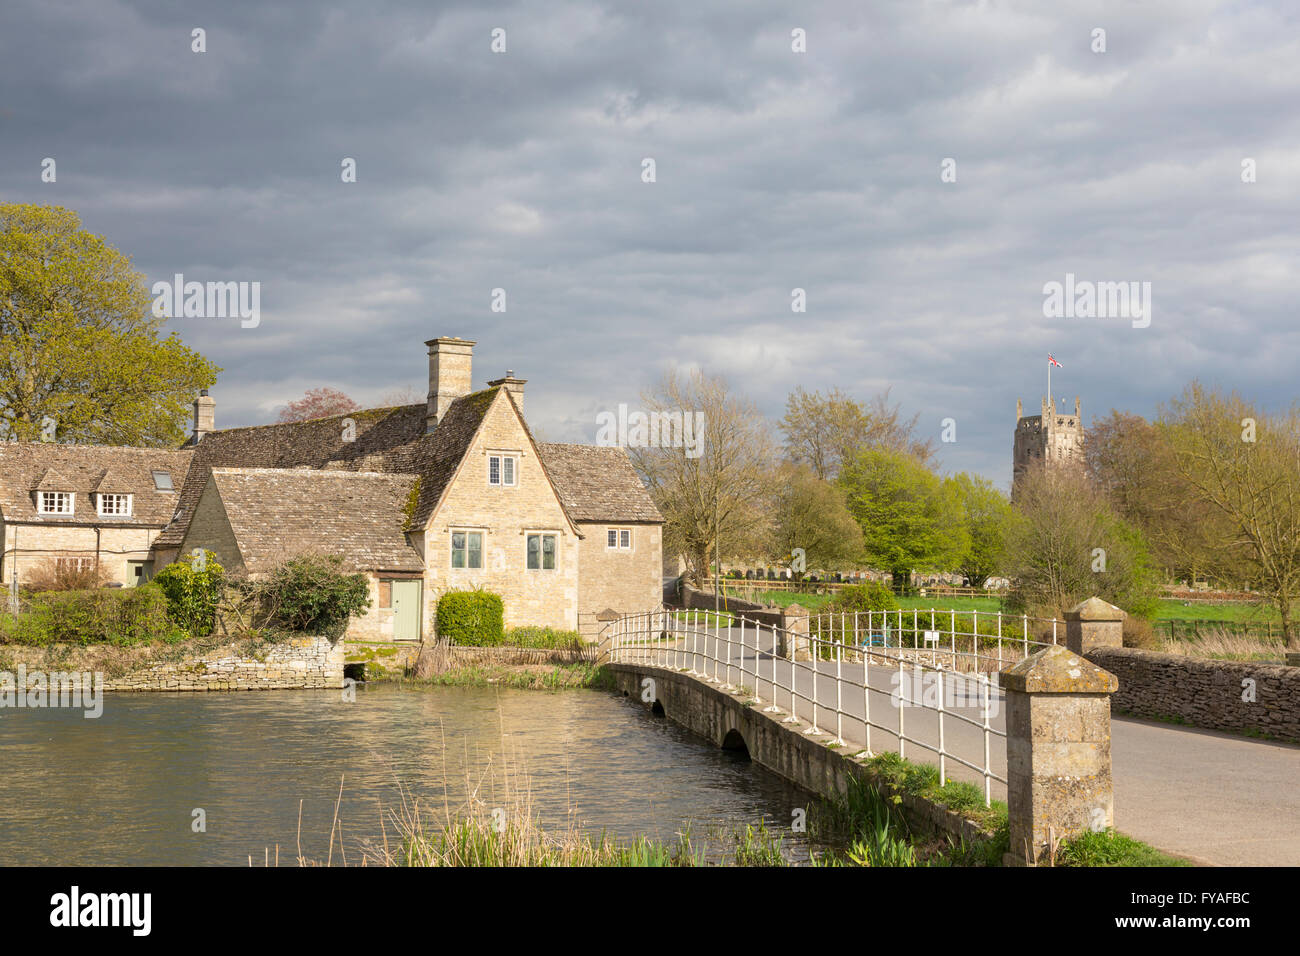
x,y
609,614
796,609
1055,670
1095,609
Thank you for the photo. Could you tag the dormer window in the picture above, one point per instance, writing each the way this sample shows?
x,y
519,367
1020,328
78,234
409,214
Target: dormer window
x,y
502,470
114,505
54,502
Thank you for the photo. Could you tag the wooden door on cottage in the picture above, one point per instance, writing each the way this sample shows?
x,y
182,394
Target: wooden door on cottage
x,y
406,610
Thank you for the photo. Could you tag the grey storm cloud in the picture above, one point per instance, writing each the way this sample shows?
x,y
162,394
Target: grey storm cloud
x,y
775,170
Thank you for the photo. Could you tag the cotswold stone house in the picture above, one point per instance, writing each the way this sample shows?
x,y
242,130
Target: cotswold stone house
x,y
452,493
85,506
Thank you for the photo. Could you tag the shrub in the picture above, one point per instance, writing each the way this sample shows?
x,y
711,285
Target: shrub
x,y
54,575
868,596
544,637
312,593
1140,634
122,616
193,587
472,618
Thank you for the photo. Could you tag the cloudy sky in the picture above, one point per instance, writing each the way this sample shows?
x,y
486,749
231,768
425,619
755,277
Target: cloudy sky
x,y
774,170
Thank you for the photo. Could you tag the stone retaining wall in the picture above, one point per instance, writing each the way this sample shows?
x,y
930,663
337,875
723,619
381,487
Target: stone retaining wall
x,y
1205,693
296,664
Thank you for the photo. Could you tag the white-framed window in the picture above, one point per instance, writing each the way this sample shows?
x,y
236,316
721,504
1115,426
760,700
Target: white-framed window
x,y
618,539
467,550
502,470
115,504
54,502
542,552
74,565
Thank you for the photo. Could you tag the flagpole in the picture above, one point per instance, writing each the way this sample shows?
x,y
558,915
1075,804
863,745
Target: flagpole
x,y
1049,382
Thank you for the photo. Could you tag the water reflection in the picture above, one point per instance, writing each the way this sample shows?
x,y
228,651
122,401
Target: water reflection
x,y
123,789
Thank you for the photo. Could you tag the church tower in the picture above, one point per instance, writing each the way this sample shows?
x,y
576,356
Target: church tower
x,y
1052,439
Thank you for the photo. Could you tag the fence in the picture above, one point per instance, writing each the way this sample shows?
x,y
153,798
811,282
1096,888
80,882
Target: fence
x,y
833,587
846,666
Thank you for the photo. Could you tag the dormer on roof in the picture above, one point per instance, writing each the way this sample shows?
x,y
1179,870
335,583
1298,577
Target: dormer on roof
x,y
52,480
112,480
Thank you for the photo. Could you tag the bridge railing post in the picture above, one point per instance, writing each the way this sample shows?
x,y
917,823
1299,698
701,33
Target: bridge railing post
x,y
1058,751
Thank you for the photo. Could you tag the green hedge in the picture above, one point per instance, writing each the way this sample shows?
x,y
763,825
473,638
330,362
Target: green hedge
x,y
473,618
122,616
313,594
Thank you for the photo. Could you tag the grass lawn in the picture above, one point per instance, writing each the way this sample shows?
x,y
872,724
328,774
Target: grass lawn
x,y
1169,610
1243,613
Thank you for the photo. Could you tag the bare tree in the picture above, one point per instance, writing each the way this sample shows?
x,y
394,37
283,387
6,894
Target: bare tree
x,y
824,432
718,495
1247,466
1066,544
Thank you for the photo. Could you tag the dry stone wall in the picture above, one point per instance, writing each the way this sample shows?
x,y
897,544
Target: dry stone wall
x,y
1235,696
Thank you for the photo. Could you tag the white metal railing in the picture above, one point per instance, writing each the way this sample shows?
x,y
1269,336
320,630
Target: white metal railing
x,y
954,690
987,641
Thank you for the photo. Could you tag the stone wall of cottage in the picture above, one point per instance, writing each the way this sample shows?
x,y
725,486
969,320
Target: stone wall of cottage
x,y
210,528
296,664
625,581
1235,696
35,544
505,516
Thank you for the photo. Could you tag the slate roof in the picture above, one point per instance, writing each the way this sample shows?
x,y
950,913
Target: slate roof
x,y
379,443
26,466
278,512
598,483
593,484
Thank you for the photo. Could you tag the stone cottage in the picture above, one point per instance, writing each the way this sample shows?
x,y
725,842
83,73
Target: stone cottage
x,y
85,506
449,494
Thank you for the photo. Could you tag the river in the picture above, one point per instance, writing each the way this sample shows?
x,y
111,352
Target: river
x,y
124,789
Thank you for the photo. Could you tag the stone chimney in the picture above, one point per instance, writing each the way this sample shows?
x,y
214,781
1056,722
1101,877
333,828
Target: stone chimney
x,y
449,376
515,386
205,417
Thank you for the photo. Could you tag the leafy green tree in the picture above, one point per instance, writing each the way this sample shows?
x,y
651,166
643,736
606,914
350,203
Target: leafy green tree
x,y
988,519
1246,466
79,347
810,513
910,519
826,431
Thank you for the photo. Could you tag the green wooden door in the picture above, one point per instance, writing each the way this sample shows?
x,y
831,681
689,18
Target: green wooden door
x,y
406,610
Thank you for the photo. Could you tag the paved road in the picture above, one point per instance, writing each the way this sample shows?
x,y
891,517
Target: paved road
x,y
1214,797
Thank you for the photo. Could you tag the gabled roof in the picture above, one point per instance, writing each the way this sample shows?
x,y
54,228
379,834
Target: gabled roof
x,y
438,456
54,480
278,512
379,443
598,483
30,466
115,479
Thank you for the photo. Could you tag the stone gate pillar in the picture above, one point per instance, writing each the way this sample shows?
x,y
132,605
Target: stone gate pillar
x,y
1093,623
1058,751
794,628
